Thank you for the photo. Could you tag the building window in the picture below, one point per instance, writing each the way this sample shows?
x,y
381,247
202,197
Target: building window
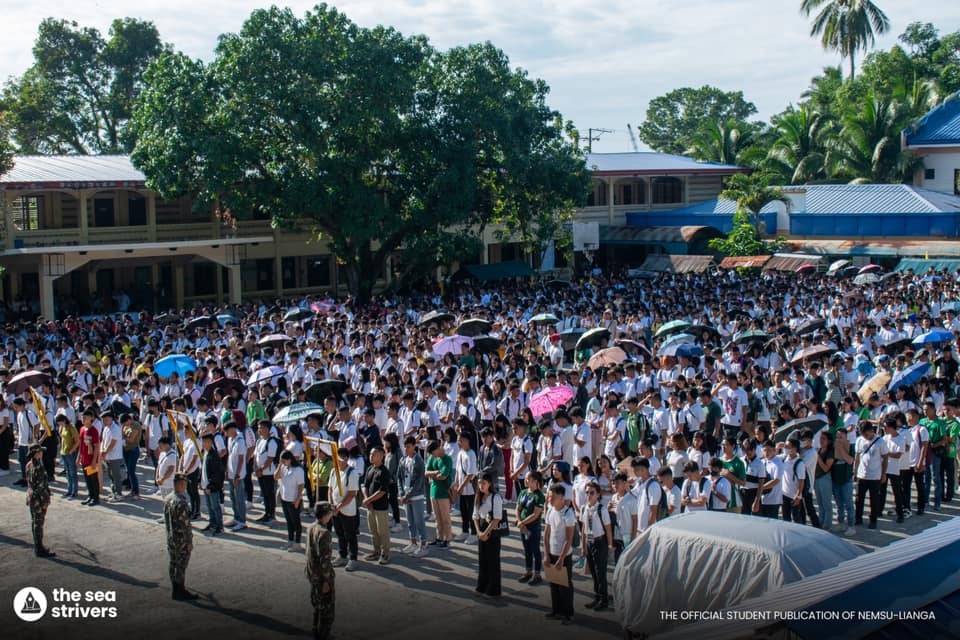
x,y
929,174
667,191
630,193
26,213
598,197
288,269
318,271
137,212
103,212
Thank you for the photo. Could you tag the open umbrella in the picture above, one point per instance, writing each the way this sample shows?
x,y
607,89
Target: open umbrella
x,y
568,338
606,358
873,384
320,391
435,317
896,346
546,319
867,278
199,321
806,268
32,378
223,319
671,327
166,318
870,268
837,265
810,422
591,338
679,338
296,412
754,335
909,375
699,329
811,352
274,340
175,363
265,374
474,327
933,336
298,314
678,349
632,345
810,326
953,305
452,345
486,344
223,384
550,399
557,284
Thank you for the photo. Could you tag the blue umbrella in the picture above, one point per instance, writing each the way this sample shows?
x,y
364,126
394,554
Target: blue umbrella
x,y
934,335
679,338
226,318
296,412
953,305
865,367
176,363
680,349
909,375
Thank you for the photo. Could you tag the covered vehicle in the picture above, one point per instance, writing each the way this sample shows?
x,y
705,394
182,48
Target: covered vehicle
x,y
708,561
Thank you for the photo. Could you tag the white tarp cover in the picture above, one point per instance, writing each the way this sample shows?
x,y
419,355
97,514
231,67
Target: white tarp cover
x,y
709,561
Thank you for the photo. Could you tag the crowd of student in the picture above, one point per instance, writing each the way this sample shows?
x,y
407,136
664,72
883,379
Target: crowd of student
x,y
452,440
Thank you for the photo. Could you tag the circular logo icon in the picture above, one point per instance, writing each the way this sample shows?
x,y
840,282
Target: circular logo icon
x,y
30,604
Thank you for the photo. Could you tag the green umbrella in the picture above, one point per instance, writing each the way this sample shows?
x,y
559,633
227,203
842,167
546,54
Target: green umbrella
x,y
592,338
671,327
754,335
545,319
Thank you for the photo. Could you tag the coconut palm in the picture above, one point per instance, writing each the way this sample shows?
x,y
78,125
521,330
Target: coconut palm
x,y
798,154
720,141
846,26
752,193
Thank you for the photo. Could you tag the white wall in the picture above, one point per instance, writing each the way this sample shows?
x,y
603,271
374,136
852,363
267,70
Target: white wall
x,y
944,164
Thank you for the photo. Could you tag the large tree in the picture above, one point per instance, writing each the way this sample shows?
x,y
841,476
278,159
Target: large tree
x,y
6,148
846,26
78,95
676,118
867,148
379,141
798,154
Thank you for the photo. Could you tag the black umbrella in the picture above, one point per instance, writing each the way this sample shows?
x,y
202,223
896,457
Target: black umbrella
x,y
166,318
568,338
118,409
810,422
810,326
200,321
486,344
896,346
699,329
557,284
320,391
436,317
298,314
224,384
474,327
22,381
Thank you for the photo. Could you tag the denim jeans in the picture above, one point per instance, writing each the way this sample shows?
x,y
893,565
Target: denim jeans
x,y
23,457
933,479
532,549
238,500
130,459
823,488
843,496
70,471
214,511
416,520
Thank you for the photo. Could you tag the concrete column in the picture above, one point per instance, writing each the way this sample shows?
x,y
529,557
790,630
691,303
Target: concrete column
x,y
84,221
46,297
152,218
219,278
178,285
92,280
278,271
389,274
6,202
610,182
235,282
154,285
14,285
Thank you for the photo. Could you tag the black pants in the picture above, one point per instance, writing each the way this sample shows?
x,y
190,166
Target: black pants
x,y
193,490
292,515
895,483
876,506
948,469
809,508
770,510
93,486
393,495
466,515
311,497
346,528
597,563
561,598
23,456
52,444
268,489
908,477
792,512
6,446
488,576
248,481
749,497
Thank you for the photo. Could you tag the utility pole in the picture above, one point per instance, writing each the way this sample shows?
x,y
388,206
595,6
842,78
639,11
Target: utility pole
x,y
591,137
633,138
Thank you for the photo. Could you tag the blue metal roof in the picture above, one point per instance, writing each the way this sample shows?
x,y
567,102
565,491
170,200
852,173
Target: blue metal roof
x,y
832,199
648,162
939,126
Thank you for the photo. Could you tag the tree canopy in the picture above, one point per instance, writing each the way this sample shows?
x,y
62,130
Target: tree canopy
x,y
78,95
6,148
675,119
382,142
846,26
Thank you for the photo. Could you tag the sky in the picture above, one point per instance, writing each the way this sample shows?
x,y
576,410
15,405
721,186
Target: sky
x,y
603,60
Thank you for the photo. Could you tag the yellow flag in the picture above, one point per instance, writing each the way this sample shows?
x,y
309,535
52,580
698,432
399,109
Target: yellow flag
x,y
41,410
173,426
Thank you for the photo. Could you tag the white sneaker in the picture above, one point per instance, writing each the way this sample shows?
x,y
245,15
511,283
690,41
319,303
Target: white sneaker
x,y
295,547
397,528
471,540
430,518
352,565
339,562
410,548
421,551
850,531
240,526
460,537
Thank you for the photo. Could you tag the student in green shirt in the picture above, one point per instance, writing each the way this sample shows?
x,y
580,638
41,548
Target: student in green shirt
x,y
636,424
529,515
939,445
948,464
734,471
255,410
439,470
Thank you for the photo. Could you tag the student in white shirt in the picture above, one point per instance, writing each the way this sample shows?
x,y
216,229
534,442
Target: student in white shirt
x,y
771,492
111,447
558,542
343,496
623,505
894,441
674,495
190,467
595,544
720,487
521,455
265,468
792,481
695,489
870,463
648,494
465,474
166,466
236,472
291,479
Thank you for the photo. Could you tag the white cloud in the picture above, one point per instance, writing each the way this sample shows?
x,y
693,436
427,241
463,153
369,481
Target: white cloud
x,y
603,60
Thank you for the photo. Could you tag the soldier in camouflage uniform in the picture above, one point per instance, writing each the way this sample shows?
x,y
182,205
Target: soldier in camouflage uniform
x,y
320,573
38,498
176,518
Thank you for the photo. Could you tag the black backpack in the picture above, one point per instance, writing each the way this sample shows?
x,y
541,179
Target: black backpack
x,y
662,509
276,440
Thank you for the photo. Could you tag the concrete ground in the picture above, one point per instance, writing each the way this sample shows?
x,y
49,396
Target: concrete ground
x,y
252,588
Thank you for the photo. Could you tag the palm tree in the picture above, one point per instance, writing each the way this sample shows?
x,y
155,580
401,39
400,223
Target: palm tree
x,y
752,193
846,26
798,155
720,141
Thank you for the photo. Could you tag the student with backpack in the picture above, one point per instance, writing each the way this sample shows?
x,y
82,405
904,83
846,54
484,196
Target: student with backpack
x,y
266,458
794,477
651,501
695,490
595,545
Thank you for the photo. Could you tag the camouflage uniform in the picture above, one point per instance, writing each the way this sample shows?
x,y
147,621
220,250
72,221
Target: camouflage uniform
x,y
38,499
319,572
176,517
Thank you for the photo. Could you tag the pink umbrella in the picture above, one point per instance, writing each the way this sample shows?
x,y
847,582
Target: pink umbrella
x,y
452,345
805,267
869,268
550,399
